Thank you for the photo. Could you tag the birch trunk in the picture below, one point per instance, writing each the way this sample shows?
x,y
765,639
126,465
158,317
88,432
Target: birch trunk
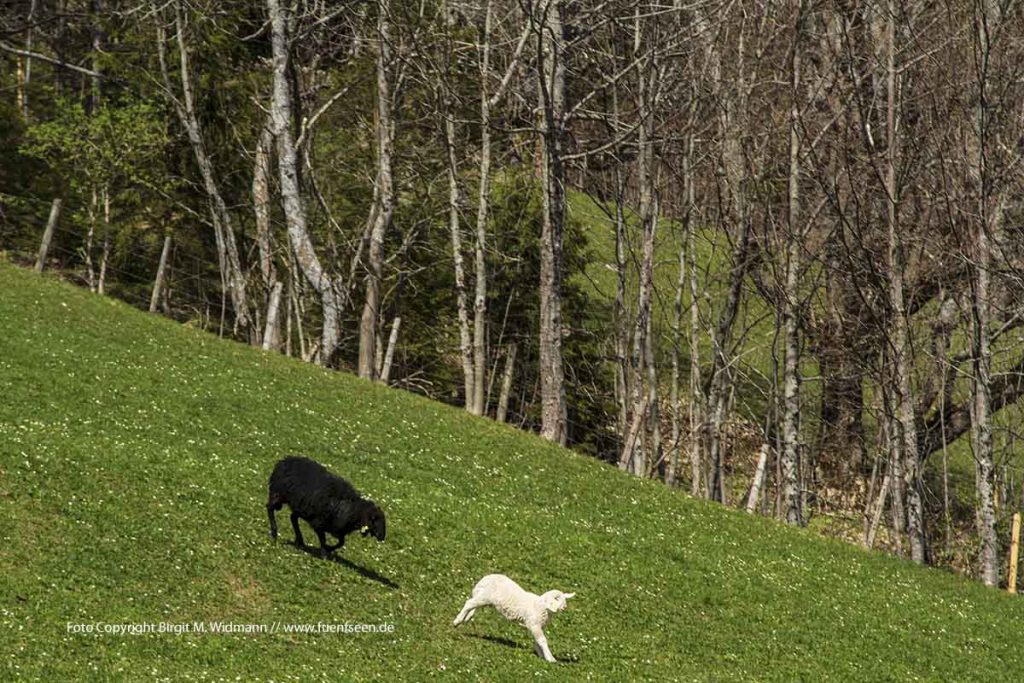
x,y
385,196
261,203
483,205
671,473
90,272
465,337
551,93
986,16
633,458
26,71
261,210
791,495
506,383
389,355
696,409
620,316
731,125
876,517
655,460
906,417
223,225
270,332
291,195
894,446
101,284
758,481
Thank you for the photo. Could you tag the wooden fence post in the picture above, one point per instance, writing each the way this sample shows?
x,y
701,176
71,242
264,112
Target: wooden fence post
x,y
161,273
51,224
1011,583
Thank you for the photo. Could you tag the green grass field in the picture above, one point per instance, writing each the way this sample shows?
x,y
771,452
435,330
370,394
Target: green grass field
x,y
754,326
134,455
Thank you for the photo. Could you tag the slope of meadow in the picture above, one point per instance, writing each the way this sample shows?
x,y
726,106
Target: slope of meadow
x,y
134,455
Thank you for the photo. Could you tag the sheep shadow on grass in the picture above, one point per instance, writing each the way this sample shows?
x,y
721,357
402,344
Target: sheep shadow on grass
x,y
365,572
498,640
509,643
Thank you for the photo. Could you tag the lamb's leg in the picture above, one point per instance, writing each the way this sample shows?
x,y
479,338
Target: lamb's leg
x,y
298,533
541,644
468,610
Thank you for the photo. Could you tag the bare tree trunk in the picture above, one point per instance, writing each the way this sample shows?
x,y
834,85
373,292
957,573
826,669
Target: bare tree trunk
x,y
90,272
876,516
465,337
385,196
483,203
655,459
902,353
51,225
619,315
298,312
758,481
720,381
696,408
270,332
289,297
389,355
635,460
261,202
291,195
551,91
894,446
223,227
731,125
105,254
671,473
161,273
791,494
506,382
26,71
987,225
261,209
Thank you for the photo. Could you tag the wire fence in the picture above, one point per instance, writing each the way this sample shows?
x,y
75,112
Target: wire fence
x,y
194,290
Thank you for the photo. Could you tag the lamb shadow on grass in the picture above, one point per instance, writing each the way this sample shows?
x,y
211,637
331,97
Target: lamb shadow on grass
x,y
509,643
365,572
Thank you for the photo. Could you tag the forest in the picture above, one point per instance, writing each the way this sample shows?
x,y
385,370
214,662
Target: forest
x,y
764,252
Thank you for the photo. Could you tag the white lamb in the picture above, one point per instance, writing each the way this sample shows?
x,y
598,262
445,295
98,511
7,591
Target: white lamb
x,y
516,604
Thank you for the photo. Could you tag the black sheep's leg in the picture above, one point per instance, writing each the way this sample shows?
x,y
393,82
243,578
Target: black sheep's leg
x,y
273,504
298,533
324,549
339,544
273,522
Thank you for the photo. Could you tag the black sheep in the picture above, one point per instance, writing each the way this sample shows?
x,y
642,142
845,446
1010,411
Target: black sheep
x,y
329,503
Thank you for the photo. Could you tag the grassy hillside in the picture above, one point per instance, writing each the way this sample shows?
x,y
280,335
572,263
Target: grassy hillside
x,y
134,455
755,332
754,326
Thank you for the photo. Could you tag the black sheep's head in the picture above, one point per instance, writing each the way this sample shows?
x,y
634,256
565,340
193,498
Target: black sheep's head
x,y
373,522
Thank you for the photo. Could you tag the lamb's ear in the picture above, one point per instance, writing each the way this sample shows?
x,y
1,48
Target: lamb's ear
x,y
568,595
